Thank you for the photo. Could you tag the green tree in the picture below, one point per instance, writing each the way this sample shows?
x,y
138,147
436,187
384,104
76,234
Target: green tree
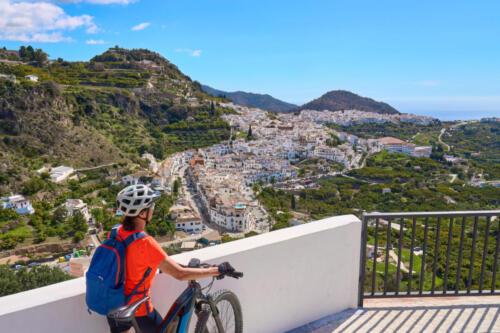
x,y
78,236
33,186
333,141
22,52
12,281
292,203
302,172
39,57
60,214
40,237
78,223
249,134
175,188
30,52
8,215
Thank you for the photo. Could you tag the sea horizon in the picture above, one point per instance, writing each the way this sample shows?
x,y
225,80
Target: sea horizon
x,y
450,115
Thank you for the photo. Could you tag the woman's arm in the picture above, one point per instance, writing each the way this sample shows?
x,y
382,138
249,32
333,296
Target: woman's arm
x,y
169,266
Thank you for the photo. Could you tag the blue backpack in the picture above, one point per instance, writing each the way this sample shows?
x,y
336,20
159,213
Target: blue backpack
x,y
106,274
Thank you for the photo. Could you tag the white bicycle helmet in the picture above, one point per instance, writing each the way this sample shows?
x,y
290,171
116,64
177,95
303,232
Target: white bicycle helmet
x,y
134,198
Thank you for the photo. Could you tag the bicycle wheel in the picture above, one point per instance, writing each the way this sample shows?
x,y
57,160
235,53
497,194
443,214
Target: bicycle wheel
x,y
229,313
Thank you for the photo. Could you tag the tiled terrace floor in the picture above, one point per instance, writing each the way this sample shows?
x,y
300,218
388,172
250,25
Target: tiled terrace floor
x,y
427,314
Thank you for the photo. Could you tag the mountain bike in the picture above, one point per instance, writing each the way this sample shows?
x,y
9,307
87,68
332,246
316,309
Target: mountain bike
x,y
219,312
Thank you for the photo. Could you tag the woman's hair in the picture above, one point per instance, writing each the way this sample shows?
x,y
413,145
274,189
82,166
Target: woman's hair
x,y
128,223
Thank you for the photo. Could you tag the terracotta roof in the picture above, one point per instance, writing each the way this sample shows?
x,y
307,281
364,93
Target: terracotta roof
x,y
392,141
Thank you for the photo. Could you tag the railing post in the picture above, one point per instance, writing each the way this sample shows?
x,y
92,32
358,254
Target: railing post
x,y
400,254
448,247
387,254
362,256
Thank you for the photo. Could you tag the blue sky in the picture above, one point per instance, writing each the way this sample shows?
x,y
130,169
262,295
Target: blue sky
x,y
419,56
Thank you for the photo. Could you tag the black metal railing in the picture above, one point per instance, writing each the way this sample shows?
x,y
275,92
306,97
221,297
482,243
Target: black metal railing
x,y
429,254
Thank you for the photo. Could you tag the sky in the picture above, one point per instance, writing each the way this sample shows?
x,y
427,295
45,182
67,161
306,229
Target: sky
x,y
419,56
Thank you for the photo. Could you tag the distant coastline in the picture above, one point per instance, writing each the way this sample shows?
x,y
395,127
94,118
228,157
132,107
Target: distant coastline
x,y
449,115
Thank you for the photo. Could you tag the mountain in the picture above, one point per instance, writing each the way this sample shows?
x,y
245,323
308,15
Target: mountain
x,y
260,101
345,100
112,108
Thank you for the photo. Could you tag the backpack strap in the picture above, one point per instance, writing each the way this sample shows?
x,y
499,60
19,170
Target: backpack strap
x,y
135,236
135,292
129,240
114,232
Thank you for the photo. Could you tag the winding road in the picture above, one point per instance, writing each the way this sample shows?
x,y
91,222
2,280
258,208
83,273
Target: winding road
x,y
441,141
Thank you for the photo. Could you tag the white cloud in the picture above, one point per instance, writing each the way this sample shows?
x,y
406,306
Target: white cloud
x,y
429,83
38,22
95,42
193,53
141,26
93,29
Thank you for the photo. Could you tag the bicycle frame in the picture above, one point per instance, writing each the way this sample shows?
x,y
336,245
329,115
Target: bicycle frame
x,y
179,316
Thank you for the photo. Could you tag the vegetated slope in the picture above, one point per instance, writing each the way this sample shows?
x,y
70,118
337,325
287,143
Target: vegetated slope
x,y
479,143
337,100
261,101
114,107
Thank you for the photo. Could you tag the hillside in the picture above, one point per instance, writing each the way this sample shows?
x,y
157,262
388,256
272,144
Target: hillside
x,y
337,100
261,101
118,105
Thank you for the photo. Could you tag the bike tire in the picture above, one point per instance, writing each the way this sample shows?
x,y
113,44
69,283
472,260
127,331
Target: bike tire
x,y
206,314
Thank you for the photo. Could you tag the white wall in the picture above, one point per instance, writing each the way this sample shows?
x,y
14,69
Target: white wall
x,y
292,276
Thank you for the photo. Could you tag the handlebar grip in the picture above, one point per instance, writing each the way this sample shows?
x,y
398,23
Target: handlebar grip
x,y
236,275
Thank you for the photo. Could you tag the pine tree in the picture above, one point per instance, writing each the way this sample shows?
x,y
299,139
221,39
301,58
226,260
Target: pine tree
x,y
212,108
292,204
249,135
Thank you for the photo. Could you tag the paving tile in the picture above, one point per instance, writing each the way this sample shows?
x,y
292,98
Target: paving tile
x,y
409,315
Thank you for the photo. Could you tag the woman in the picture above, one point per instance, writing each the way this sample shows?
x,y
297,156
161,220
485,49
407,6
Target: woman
x,y
136,203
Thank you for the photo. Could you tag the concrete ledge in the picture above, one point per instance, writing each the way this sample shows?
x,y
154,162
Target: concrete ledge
x,y
292,277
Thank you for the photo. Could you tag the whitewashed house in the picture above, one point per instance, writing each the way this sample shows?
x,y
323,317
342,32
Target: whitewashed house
x,y
60,173
32,78
77,205
186,219
18,203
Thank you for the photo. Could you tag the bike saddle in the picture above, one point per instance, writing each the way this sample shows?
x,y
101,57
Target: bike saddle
x,y
126,312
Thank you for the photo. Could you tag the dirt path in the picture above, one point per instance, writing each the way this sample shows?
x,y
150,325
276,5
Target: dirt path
x,y
441,141
394,257
96,167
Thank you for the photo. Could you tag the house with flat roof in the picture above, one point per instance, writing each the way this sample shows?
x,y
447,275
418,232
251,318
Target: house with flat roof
x,y
32,78
60,173
18,203
77,205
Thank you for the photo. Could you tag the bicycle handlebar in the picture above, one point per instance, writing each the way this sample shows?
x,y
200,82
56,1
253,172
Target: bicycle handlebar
x,y
195,263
